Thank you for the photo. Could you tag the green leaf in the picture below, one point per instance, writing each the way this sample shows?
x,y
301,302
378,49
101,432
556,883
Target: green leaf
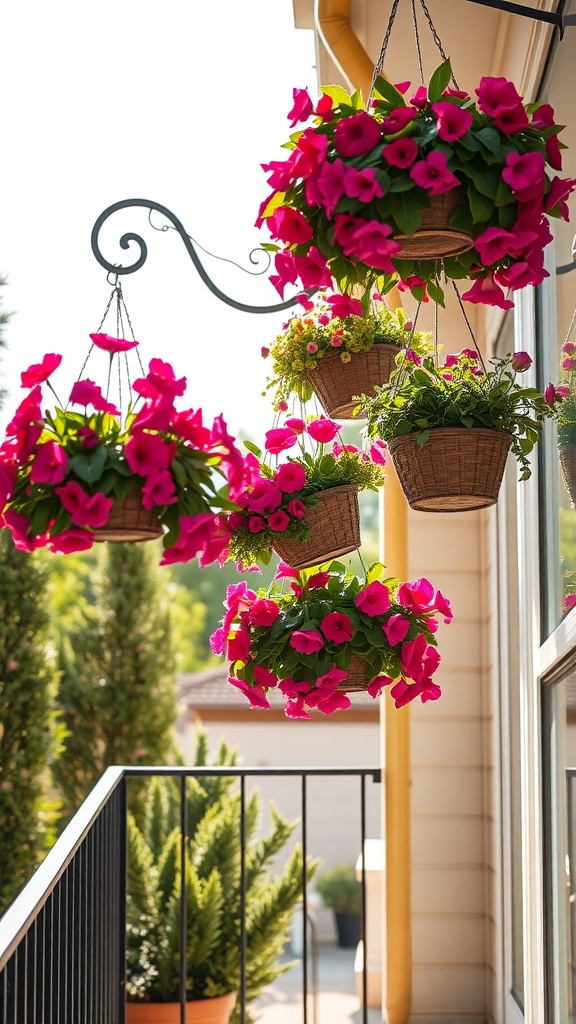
x,y
490,139
388,92
407,214
338,94
89,467
482,208
486,179
439,81
253,448
422,437
436,293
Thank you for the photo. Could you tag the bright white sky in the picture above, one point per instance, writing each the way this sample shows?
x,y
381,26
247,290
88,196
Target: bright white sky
x,y
176,101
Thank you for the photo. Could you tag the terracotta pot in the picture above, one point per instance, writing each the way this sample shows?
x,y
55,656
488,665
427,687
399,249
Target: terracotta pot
x,y
198,1011
336,382
457,470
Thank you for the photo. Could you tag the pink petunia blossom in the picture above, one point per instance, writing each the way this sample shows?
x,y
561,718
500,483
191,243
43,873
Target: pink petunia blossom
x,y
162,378
510,120
238,645
433,174
420,97
398,119
290,477
39,372
110,344
318,580
312,269
362,184
285,264
280,439
264,497
497,94
255,694
19,526
279,521
337,627
296,424
371,244
560,189
264,677
401,153
302,107
345,228
296,508
330,680
323,430
256,524
306,641
324,107
485,290
376,685
290,226
159,489
356,135
85,510
281,174
373,599
493,244
524,174
263,612
330,185
452,121
395,628
88,436
378,452
416,596
328,703
8,478
291,688
310,153
86,392
147,454
69,541
442,605
295,709
50,464
520,362
159,414
343,306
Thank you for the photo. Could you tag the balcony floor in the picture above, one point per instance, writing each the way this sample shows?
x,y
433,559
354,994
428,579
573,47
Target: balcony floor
x,y
336,1002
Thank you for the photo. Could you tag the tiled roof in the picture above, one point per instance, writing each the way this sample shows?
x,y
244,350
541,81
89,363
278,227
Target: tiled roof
x,y
210,689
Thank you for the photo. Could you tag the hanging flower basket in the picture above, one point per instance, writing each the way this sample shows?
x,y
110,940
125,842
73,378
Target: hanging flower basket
x,y
333,527
336,382
332,349
425,185
306,507
449,428
330,634
456,470
82,472
567,456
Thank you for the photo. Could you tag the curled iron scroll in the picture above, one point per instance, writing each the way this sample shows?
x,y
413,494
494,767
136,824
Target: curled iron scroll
x,y
131,237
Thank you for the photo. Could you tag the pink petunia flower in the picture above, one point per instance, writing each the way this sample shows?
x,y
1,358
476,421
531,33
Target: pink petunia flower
x,y
485,290
264,497
290,226
373,599
147,454
337,627
238,645
398,119
362,184
306,641
433,174
356,135
263,612
318,580
280,439
264,677
290,477
50,464
296,508
328,704
524,173
330,185
295,709
371,244
88,437
279,521
159,489
255,694
85,510
39,372
520,362
323,430
256,524
109,344
86,392
452,121
401,153
312,269
302,107
395,628
376,685
343,306
69,541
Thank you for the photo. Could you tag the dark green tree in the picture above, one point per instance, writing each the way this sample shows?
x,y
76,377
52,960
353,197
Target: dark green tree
x,y
27,682
116,694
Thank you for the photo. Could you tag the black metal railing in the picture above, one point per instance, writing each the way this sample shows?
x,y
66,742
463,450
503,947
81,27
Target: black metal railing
x,y
63,939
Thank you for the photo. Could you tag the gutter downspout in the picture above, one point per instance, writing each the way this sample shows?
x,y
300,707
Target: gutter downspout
x,y
332,23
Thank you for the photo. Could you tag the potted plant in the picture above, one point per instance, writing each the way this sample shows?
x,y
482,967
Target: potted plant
x,y
449,428
213,959
305,508
341,892
338,353
82,472
567,419
333,632
424,184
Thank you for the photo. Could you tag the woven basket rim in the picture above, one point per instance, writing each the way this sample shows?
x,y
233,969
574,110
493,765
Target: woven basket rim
x,y
438,431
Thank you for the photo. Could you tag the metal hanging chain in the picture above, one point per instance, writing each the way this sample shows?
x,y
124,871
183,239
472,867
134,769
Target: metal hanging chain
x,y
383,48
401,372
417,39
476,346
435,35
436,335
569,332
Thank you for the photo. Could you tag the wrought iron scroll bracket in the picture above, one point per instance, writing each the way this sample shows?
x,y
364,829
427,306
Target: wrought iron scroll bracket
x,y
177,225
560,21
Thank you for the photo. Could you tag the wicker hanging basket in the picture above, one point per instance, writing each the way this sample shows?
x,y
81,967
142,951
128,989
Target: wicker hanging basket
x,y
129,522
567,456
435,239
334,529
336,382
457,470
358,676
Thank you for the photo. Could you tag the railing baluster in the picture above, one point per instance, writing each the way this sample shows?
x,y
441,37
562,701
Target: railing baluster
x,y
183,897
304,827
242,895
363,896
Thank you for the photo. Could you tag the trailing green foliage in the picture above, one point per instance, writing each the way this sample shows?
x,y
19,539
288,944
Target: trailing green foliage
x,y
460,394
116,694
212,890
